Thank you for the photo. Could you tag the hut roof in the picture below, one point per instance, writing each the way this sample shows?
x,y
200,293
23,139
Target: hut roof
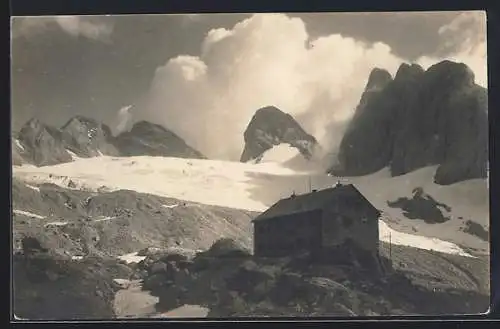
x,y
343,195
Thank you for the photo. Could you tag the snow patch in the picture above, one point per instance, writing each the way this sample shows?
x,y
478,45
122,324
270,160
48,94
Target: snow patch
x,y
123,283
76,257
56,224
73,155
27,214
169,206
389,235
279,154
19,145
131,258
100,153
35,188
104,219
185,311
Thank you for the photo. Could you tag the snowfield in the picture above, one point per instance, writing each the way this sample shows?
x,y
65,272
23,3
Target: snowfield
x,y
278,154
186,179
27,214
255,187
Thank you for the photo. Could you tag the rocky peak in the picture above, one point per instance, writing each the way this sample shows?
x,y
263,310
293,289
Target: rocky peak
x,y
87,137
146,138
143,127
451,74
270,126
33,123
378,79
436,117
408,72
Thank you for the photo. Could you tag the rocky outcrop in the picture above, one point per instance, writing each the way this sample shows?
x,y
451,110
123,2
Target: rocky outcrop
x,y
49,288
151,139
422,206
269,127
252,286
418,119
42,144
88,138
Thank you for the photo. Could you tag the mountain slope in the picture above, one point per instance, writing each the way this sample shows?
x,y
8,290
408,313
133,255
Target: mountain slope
x,y
112,224
269,127
419,119
93,211
254,187
151,139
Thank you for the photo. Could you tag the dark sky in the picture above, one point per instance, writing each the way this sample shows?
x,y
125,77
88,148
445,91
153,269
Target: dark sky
x,y
96,65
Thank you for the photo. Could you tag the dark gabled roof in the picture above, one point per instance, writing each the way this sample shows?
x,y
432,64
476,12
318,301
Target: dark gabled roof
x,y
315,201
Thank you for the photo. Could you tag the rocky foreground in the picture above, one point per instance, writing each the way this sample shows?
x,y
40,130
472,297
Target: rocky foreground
x,y
51,287
231,282
227,281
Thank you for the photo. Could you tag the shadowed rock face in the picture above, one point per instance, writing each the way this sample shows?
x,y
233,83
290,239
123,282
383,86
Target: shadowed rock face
x,y
421,118
89,138
269,127
146,138
43,145
364,148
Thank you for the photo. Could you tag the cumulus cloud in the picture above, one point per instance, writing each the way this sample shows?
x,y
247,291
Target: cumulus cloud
x,y
464,40
76,26
270,59
267,59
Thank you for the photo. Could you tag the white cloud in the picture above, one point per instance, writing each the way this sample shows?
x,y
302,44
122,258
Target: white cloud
x,y
74,25
123,119
464,40
266,59
270,59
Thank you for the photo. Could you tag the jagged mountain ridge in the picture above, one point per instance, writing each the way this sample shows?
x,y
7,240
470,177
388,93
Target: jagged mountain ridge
x,y
269,127
419,118
147,138
41,144
89,137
